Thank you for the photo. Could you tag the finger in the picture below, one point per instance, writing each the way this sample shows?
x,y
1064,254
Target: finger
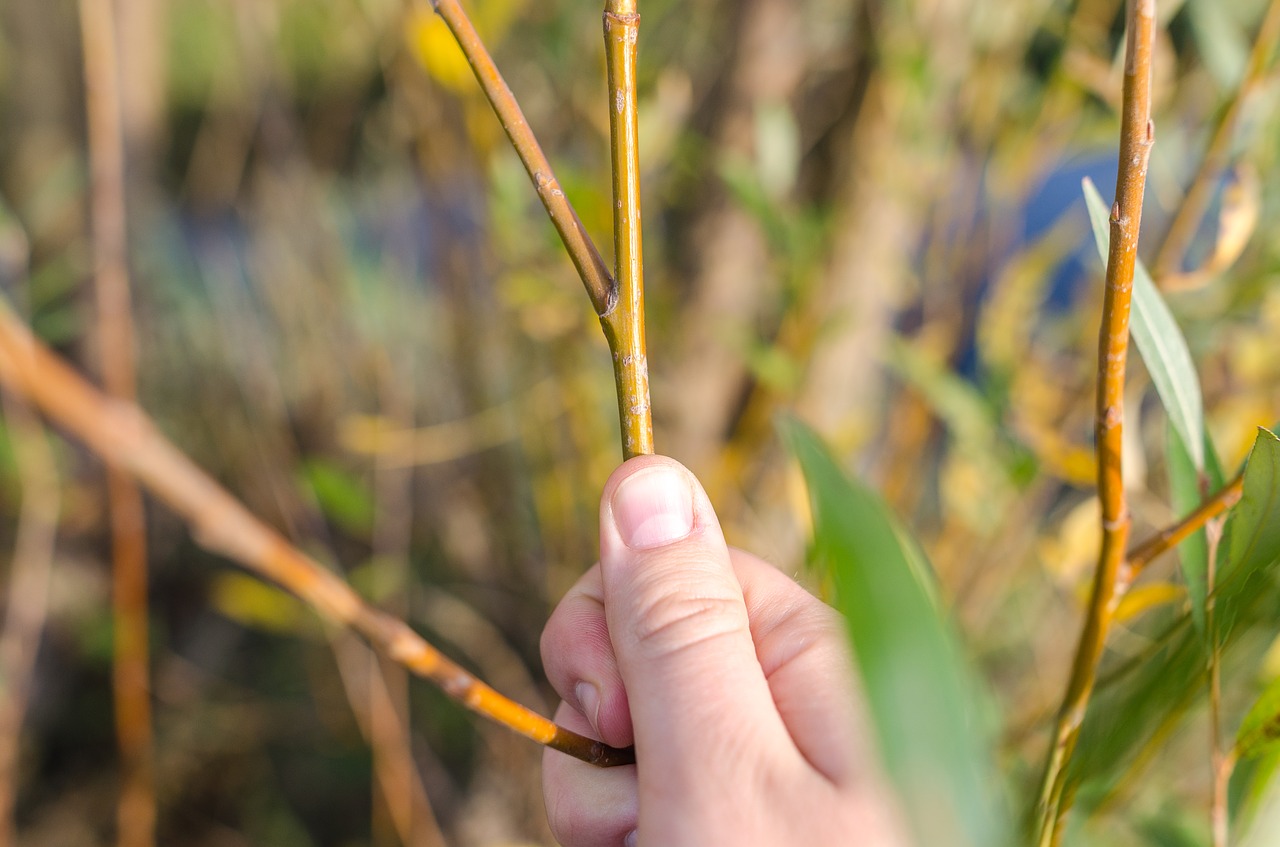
x,y
577,657
587,806
700,704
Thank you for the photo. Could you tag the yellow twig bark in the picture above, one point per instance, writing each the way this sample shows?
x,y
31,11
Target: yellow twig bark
x,y
125,438
1136,137
619,299
624,325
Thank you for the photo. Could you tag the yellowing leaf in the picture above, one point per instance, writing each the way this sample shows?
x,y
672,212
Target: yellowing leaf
x,y
1147,597
432,44
253,603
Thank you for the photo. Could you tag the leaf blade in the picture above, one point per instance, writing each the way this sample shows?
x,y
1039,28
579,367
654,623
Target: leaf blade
x,y
1156,333
919,691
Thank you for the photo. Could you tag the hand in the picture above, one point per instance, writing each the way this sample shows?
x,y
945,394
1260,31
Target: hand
x,y
733,682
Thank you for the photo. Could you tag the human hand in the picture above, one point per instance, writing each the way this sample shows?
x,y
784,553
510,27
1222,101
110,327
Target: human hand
x,y
733,682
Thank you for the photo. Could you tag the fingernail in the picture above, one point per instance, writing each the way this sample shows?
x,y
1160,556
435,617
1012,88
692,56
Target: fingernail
x,y
589,703
653,507
632,839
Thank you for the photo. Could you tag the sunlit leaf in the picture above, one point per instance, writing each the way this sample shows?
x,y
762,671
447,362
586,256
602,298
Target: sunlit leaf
x,y
921,694
1159,340
253,603
1146,597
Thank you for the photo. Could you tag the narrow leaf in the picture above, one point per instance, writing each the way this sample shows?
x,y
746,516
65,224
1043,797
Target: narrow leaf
x,y
1260,730
921,695
1252,535
1159,340
1193,554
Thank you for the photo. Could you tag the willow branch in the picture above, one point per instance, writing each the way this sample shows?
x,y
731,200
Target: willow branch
x,y
582,251
122,435
1194,203
618,299
1145,552
130,667
624,326
1136,137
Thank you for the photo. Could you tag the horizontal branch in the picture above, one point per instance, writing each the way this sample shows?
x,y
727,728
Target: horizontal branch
x,y
122,435
1144,553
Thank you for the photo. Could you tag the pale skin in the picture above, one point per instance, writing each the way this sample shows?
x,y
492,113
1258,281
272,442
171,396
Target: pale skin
x,y
733,682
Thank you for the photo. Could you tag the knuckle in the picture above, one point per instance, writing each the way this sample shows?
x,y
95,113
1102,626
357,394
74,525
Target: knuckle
x,y
671,621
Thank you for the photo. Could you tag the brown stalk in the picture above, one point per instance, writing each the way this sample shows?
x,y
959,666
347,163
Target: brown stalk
x,y
624,325
1194,203
1137,134
136,813
28,601
122,435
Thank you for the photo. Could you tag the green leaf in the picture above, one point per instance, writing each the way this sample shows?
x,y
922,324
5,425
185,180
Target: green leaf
x,y
1251,540
342,496
1260,730
1193,554
1159,340
921,694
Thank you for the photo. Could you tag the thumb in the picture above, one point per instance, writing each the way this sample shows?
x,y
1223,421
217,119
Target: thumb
x,y
679,625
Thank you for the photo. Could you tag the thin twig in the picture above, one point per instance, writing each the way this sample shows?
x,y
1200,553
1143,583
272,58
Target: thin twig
x,y
28,601
1145,552
586,258
624,326
1194,203
1217,757
126,438
1137,134
136,812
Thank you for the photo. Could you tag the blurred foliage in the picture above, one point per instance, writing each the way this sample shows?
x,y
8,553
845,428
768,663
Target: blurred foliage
x,y
351,310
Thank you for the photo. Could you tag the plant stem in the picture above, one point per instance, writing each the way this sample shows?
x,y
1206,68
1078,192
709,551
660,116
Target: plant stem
x,y
624,326
136,813
1166,539
586,258
27,603
122,435
1137,134
1194,203
1217,759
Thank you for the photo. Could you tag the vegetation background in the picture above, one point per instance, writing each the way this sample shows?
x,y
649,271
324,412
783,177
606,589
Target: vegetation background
x,y
352,310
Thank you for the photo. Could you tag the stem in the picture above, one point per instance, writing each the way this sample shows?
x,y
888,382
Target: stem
x,y
624,326
136,812
1145,552
122,435
27,604
1136,137
1217,758
1196,200
586,258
